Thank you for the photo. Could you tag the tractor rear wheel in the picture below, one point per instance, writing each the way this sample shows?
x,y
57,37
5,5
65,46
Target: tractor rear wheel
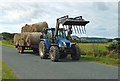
x,y
54,53
76,53
43,50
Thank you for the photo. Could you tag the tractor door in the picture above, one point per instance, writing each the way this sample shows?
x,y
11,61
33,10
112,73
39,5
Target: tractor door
x,y
49,36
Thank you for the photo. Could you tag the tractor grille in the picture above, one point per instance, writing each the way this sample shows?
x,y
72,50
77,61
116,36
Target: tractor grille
x,y
68,44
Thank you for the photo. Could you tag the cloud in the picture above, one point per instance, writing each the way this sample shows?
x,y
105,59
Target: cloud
x,y
101,6
102,15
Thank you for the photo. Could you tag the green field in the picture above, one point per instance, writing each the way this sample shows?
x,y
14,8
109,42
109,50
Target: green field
x,y
6,43
91,49
98,52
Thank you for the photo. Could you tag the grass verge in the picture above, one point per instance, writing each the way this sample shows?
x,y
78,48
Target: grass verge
x,y
97,52
103,60
7,73
6,43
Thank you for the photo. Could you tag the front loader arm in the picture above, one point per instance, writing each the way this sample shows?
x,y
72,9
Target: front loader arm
x,y
77,23
59,21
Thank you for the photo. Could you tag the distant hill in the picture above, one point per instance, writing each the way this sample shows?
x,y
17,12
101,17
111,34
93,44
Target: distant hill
x,y
94,39
89,39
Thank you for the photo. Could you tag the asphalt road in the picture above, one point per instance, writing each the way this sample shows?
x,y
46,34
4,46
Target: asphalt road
x,y
30,66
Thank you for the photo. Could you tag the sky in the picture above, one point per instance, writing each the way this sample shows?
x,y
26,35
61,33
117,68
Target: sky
x,y
103,16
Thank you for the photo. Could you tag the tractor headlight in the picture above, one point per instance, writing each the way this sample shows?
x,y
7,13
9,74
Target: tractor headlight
x,y
63,44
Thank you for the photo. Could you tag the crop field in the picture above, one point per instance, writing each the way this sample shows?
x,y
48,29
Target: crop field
x,y
89,48
98,52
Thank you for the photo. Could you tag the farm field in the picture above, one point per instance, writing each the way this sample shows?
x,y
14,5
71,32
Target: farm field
x,y
98,52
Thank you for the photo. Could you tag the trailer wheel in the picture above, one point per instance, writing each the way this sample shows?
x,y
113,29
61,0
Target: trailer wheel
x,y
76,53
21,49
54,53
18,48
43,50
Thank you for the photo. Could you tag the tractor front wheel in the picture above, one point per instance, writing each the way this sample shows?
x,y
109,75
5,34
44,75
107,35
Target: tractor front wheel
x,y
76,53
54,53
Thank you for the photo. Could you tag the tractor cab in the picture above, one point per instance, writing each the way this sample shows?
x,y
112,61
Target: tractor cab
x,y
61,37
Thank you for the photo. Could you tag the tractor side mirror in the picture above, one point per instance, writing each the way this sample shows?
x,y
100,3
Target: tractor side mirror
x,y
45,31
41,36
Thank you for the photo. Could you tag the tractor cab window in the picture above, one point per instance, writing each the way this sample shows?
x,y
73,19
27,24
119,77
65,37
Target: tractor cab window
x,y
49,34
61,34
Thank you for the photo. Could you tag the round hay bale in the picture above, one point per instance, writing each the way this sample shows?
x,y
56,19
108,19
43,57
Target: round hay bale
x,y
17,37
21,43
38,27
24,35
22,29
33,38
26,28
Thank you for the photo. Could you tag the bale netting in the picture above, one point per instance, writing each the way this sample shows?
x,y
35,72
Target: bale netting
x,y
26,28
33,38
38,27
17,37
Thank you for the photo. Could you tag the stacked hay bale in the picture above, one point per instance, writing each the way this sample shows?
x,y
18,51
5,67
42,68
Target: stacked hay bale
x,y
30,34
33,38
38,27
22,41
26,28
17,37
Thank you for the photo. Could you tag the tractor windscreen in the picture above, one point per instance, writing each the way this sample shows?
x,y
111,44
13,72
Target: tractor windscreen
x,y
61,33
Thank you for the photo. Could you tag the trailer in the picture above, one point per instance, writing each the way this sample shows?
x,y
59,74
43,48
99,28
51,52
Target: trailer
x,y
29,37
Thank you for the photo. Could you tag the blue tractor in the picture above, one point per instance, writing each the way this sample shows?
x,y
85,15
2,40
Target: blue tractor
x,y
55,42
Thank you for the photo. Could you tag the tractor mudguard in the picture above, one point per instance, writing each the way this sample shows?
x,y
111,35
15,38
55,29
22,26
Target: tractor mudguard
x,y
73,44
46,42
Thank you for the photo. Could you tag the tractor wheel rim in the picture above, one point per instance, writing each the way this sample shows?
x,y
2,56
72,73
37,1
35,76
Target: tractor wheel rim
x,y
41,51
52,55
